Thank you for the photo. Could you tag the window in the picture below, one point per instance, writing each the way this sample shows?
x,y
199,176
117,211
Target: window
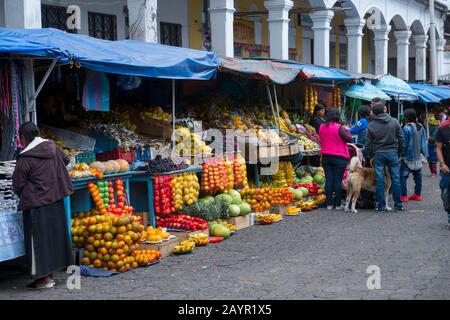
x,y
102,26
170,34
343,56
238,51
55,17
332,54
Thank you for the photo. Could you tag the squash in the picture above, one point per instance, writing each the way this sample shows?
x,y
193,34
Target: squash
x,y
98,165
124,165
109,168
115,166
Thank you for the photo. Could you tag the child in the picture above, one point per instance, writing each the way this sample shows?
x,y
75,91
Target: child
x,y
432,157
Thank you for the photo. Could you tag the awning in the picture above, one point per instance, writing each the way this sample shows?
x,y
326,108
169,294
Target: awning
x,y
396,87
429,93
320,73
260,69
365,91
128,57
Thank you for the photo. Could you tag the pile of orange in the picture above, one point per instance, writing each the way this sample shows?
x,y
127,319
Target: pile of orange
x,y
144,257
259,198
281,196
95,194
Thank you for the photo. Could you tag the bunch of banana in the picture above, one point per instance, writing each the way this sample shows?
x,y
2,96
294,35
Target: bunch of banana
x,y
289,172
308,205
200,239
184,247
156,113
337,101
268,217
230,226
311,99
293,211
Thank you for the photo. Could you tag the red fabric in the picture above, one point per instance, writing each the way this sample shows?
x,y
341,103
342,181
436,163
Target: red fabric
x,y
331,142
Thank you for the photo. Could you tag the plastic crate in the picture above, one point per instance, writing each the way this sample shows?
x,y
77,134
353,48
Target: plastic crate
x,y
86,157
118,153
142,154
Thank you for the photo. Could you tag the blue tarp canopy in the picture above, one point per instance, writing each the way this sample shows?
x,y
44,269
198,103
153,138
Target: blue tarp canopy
x,y
429,93
365,91
127,57
260,69
321,73
396,87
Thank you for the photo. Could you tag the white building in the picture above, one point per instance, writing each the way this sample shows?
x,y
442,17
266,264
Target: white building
x,y
374,36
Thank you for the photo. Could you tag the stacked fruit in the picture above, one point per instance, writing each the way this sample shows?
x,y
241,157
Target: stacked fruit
x,y
337,101
182,222
311,99
120,208
230,226
214,177
259,199
82,170
293,211
154,235
201,239
308,205
184,247
190,142
230,174
163,201
185,190
268,218
144,257
285,175
96,196
281,196
240,161
103,188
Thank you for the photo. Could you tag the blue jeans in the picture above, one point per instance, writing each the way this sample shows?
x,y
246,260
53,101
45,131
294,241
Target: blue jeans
x,y
404,174
444,184
391,161
334,168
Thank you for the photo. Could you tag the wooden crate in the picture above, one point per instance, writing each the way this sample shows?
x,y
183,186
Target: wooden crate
x,y
166,248
240,222
184,235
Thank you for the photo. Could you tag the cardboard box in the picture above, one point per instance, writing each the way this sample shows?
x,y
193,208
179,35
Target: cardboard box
x,y
240,222
166,248
184,235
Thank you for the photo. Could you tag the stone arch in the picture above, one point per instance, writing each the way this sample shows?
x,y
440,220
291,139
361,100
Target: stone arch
x,y
398,22
352,13
417,28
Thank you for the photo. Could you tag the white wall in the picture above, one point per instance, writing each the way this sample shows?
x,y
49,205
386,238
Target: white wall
x,y
114,7
175,11
2,13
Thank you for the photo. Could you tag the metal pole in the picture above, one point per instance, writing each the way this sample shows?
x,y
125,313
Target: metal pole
x,y
38,90
173,112
271,103
433,58
276,103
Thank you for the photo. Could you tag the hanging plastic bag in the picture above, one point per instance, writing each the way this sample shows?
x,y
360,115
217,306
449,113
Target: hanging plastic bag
x,y
96,92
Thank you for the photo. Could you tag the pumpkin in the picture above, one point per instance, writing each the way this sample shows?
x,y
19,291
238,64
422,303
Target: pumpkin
x,y
124,165
109,168
115,166
98,165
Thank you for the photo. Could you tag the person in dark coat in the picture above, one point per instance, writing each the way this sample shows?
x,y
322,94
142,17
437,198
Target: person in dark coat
x,y
41,181
318,117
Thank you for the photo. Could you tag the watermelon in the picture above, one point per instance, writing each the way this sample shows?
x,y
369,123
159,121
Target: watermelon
x,y
304,191
298,194
245,208
236,196
318,179
307,179
234,210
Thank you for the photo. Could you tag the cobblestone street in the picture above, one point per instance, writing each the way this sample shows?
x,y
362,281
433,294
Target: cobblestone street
x,y
321,255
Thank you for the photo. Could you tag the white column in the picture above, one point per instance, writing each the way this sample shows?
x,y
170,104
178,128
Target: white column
x,y
354,43
381,49
402,42
421,57
222,19
321,26
440,46
279,27
143,22
23,14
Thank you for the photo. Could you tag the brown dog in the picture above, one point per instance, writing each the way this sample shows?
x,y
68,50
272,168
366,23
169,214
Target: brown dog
x,y
363,178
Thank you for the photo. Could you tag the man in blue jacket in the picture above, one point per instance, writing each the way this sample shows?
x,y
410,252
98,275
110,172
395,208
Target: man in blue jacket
x,y
360,128
415,141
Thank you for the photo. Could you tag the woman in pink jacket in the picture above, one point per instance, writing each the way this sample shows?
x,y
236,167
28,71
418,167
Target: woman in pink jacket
x,y
335,156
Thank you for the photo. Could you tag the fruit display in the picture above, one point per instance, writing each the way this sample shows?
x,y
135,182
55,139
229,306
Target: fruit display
x,y
214,177
111,166
230,174
163,197
190,143
240,172
293,211
163,165
311,133
97,198
229,226
126,138
285,175
113,118
185,190
182,222
309,189
308,145
280,196
319,199
156,113
201,239
311,99
337,99
145,257
297,193
155,235
82,170
109,241
208,208
220,230
268,218
184,247
258,198
103,188
308,205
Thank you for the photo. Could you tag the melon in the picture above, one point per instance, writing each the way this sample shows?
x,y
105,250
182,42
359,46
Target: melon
x,y
304,191
219,230
236,196
109,168
307,179
298,194
319,179
124,165
225,197
234,210
114,165
245,208
207,199
98,165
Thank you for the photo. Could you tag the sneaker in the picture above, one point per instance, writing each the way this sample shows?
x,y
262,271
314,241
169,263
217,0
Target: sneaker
x,y
415,197
405,198
329,207
400,209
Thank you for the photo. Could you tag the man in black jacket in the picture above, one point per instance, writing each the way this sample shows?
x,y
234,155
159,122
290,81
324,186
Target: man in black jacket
x,y
385,145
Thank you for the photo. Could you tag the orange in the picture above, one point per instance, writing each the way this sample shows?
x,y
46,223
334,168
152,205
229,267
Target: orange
x,y
98,263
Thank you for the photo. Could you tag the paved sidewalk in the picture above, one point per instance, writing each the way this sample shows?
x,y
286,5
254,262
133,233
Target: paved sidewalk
x,y
322,255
